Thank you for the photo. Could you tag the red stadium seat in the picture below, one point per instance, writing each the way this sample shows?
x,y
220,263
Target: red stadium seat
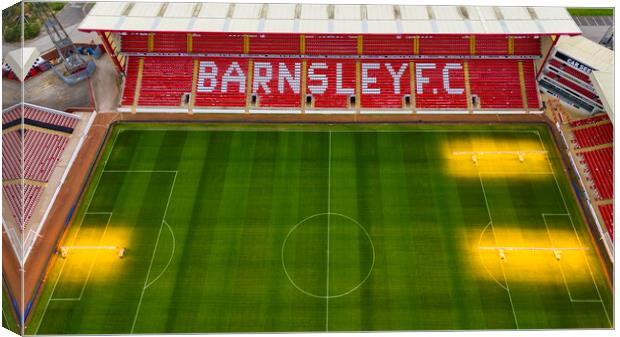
x,y
331,83
600,165
607,212
15,194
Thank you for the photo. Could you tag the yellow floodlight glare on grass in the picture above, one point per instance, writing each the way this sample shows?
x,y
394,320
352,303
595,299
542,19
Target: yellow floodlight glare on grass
x,y
519,154
471,156
557,252
64,250
553,255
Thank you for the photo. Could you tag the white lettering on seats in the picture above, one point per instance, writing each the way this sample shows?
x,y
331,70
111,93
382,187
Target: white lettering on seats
x,y
446,79
396,75
366,80
285,75
229,77
339,89
203,75
421,80
317,89
261,80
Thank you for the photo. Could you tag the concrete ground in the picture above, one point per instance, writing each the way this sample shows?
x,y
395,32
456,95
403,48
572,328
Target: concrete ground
x,y
46,89
106,84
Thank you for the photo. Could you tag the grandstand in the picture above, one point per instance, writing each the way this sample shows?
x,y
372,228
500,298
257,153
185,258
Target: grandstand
x,y
326,58
567,70
34,141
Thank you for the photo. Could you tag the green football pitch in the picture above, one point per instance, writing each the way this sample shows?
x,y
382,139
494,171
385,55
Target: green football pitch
x,y
269,228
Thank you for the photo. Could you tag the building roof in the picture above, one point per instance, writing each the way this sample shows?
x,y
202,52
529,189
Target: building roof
x,y
323,18
21,60
603,82
587,52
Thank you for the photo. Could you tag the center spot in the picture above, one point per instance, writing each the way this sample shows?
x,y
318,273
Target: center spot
x,y
328,255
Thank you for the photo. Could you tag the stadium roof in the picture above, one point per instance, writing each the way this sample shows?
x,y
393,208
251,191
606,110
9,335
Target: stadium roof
x,y
587,52
323,18
604,84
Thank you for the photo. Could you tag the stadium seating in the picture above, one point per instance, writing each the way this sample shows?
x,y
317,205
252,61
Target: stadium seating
x,y
594,135
274,44
49,118
572,85
165,80
589,120
338,88
387,45
11,115
283,89
221,82
331,44
134,42
496,83
527,45
438,45
391,79
571,71
11,155
41,152
321,44
600,167
33,115
331,83
170,43
491,45
436,93
607,212
217,43
31,196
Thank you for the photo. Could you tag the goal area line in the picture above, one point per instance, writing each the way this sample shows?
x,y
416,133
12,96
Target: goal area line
x,y
481,153
532,248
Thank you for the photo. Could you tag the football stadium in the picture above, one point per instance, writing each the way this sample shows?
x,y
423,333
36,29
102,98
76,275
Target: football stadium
x,y
232,167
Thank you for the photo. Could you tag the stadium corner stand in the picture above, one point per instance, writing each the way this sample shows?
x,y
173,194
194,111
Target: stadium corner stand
x,y
296,58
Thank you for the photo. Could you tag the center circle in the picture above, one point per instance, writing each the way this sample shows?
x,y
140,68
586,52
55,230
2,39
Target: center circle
x,y
328,255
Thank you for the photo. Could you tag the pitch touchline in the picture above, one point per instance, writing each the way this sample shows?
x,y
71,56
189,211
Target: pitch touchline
x,y
532,248
105,163
575,231
570,295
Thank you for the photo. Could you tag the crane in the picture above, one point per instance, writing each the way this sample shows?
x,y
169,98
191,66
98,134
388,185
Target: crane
x,y
76,68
